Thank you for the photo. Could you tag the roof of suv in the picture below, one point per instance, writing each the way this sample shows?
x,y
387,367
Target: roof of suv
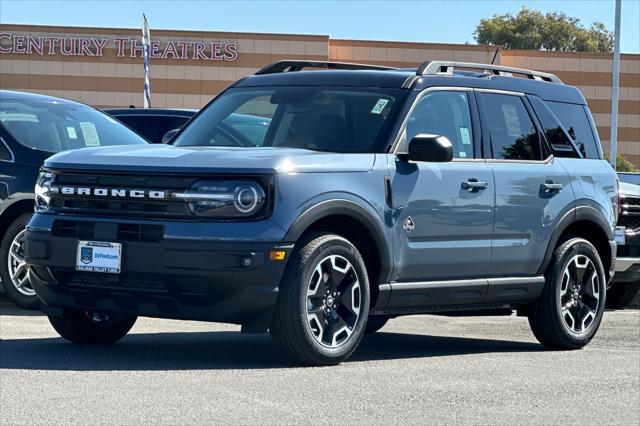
x,y
404,78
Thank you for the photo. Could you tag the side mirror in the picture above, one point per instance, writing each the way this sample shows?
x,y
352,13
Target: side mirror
x,y
169,135
431,148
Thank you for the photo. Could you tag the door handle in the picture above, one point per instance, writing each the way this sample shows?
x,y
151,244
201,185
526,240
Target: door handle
x,y
549,186
472,185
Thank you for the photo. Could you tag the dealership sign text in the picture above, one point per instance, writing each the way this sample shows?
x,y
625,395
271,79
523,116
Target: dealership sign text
x,y
124,46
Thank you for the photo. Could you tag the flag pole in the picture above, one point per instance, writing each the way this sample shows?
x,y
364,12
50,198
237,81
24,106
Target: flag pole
x,y
146,39
615,88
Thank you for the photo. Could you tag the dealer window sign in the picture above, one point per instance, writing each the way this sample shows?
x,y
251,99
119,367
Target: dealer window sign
x,y
124,46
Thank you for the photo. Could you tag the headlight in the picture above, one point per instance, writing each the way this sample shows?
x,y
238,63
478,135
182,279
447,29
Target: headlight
x,y
224,199
43,190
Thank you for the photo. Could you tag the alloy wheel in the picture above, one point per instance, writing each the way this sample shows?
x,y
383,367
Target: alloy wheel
x,y
18,271
580,294
333,301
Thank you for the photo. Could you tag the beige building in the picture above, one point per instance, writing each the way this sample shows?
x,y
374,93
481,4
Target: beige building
x,y
103,66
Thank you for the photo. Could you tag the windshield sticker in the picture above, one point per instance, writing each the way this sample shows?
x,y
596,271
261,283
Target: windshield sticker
x,y
465,137
90,134
377,109
71,131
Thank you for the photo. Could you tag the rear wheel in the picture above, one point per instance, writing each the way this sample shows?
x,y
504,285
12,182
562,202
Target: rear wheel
x,y
92,327
573,300
323,304
619,295
13,268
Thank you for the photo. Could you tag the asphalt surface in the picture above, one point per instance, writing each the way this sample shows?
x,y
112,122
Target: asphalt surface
x,y
417,370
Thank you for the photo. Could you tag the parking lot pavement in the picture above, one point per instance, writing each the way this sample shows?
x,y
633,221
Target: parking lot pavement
x,y
417,370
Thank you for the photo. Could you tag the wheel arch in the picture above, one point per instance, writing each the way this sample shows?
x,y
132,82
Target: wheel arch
x,y
12,208
586,222
358,224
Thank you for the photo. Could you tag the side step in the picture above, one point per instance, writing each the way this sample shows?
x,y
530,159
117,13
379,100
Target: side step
x,y
398,298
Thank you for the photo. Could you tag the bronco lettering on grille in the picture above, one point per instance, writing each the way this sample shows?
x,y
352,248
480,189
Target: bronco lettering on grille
x,y
112,192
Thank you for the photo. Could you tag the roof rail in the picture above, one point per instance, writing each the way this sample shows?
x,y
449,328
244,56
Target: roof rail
x,y
446,68
288,66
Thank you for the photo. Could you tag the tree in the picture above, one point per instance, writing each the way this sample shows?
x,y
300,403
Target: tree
x,y
532,30
624,165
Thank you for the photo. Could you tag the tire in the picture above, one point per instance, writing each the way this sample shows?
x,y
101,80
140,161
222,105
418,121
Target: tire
x,y
575,289
18,289
92,328
306,317
375,323
619,295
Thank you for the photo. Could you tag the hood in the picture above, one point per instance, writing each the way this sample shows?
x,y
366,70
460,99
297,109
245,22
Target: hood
x,y
169,159
629,189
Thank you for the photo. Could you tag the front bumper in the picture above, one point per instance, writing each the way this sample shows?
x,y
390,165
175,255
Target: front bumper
x,y
627,270
210,280
628,259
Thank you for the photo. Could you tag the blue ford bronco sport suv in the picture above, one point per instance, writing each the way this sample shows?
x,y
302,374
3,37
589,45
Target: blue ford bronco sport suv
x,y
374,193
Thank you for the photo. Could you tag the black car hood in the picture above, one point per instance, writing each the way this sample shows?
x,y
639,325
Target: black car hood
x,y
166,158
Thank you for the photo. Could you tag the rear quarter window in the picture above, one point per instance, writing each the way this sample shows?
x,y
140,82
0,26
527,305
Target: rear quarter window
x,y
576,122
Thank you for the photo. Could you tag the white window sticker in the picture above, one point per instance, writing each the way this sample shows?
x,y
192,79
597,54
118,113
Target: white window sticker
x,y
463,154
71,131
90,134
465,137
377,109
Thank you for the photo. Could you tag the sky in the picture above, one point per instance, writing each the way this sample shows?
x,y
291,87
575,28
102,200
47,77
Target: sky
x,y
442,21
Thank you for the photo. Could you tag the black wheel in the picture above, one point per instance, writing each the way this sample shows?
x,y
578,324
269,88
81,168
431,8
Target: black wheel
x,y
375,323
92,327
323,304
619,295
572,304
13,269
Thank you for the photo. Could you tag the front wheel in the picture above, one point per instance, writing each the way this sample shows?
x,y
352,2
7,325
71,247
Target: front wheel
x,y
322,309
14,272
92,327
573,300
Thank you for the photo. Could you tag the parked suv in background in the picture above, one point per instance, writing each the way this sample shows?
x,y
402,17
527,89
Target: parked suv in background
x,y
32,128
153,123
626,283
374,193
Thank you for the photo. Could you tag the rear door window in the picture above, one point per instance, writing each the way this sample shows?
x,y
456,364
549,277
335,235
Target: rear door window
x,y
575,120
513,134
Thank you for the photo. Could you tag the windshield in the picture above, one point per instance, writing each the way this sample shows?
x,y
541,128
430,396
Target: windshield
x,y
333,119
633,178
54,127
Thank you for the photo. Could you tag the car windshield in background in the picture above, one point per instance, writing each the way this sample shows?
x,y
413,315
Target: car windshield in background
x,y
316,118
54,127
633,178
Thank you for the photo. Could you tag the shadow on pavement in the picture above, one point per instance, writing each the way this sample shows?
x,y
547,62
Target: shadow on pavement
x,y
222,350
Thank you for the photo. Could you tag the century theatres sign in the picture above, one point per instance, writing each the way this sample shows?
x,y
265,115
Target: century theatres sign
x,y
124,47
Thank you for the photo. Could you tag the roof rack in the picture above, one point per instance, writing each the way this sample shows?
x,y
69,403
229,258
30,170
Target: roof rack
x,y
447,68
288,66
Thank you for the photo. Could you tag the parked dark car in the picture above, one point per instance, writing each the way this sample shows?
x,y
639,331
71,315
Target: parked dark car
x,y
32,128
153,123
626,282
373,193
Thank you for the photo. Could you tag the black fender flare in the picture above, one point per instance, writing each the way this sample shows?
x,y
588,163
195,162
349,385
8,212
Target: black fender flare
x,y
363,214
577,214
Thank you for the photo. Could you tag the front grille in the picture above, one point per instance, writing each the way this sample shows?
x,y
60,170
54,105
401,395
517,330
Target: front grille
x,y
85,230
131,207
630,216
148,283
